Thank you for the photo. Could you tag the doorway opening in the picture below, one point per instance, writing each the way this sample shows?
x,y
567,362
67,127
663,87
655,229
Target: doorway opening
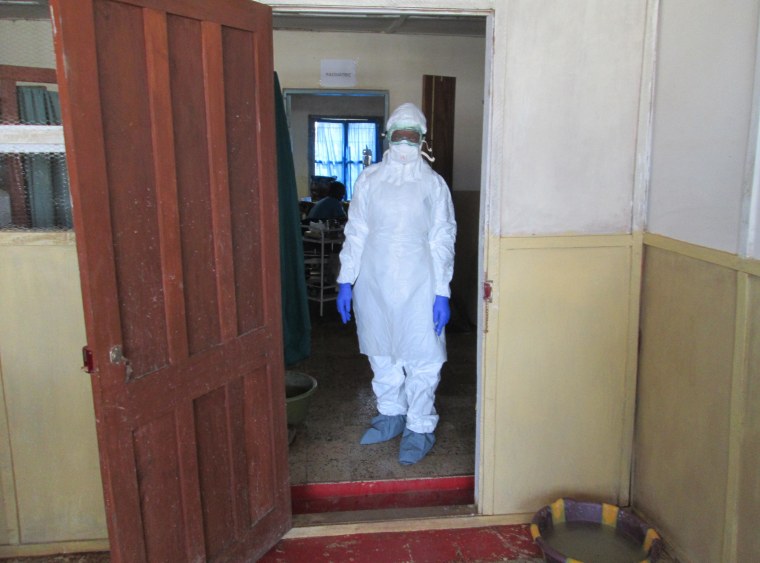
x,y
330,471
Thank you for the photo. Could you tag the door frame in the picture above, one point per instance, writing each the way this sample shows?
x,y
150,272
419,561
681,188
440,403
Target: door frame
x,y
490,219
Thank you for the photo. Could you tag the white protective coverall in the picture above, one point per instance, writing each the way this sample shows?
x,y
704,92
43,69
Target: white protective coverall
x,y
399,254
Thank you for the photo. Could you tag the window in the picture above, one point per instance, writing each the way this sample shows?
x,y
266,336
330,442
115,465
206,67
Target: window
x,y
337,146
34,189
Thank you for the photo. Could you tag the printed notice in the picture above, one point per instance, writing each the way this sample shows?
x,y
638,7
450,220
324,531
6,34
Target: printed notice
x,y
338,73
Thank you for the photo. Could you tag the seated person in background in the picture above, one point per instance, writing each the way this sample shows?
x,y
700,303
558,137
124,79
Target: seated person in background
x,y
330,207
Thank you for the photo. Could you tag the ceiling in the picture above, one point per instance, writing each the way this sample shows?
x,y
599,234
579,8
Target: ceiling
x,y
410,24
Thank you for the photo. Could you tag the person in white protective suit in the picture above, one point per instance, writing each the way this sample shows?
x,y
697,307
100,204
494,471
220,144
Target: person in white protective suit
x,y
399,256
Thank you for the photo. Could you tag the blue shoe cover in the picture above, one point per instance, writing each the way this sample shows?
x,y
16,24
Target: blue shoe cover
x,y
414,446
384,427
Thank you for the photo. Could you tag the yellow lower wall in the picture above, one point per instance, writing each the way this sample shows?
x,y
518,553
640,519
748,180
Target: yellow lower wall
x,y
748,506
558,394
557,391
697,437
556,400
49,472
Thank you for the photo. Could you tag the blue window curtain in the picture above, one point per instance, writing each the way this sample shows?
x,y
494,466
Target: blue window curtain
x,y
329,149
339,146
360,136
46,176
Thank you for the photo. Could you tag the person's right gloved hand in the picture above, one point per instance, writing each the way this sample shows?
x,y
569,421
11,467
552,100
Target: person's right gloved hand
x,y
344,301
441,313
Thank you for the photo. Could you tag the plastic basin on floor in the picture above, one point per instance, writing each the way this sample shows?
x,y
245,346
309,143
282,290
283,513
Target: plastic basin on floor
x,y
299,387
589,532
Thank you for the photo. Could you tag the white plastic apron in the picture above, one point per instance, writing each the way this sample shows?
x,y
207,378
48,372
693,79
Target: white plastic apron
x,y
395,290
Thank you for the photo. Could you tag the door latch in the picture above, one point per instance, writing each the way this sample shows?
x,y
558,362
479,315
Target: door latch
x,y
488,291
87,360
116,356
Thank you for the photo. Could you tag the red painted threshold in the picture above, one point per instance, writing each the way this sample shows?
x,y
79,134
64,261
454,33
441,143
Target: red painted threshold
x,y
311,498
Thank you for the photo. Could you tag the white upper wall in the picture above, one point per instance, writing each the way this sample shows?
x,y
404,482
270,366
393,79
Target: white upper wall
x,y
396,63
566,93
703,104
27,43
573,75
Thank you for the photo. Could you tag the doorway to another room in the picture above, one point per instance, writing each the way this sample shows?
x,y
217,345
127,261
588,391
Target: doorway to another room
x,y
330,471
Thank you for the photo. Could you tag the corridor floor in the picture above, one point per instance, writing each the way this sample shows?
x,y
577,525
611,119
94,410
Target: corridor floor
x,y
326,447
492,543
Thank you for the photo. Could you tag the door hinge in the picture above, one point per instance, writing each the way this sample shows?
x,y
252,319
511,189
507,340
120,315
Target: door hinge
x,y
87,360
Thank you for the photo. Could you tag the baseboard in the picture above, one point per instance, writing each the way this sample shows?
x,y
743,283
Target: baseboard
x,y
53,548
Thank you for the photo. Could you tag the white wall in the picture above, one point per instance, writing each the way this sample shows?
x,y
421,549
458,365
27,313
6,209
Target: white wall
x,y
27,43
396,63
703,103
572,105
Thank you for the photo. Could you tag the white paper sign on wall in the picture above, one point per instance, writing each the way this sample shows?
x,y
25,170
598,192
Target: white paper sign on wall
x,y
337,73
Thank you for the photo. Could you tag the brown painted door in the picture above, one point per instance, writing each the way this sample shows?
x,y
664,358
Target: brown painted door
x,y
169,124
438,100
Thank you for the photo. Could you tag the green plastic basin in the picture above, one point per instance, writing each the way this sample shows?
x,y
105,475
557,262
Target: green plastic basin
x,y
299,387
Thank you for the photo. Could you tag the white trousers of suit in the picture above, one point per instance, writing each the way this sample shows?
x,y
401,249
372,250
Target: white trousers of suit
x,y
407,388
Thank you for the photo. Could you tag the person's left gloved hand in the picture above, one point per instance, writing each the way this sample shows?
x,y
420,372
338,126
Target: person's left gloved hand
x,y
441,313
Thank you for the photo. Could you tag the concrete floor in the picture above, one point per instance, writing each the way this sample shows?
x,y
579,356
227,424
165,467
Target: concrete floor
x,y
326,447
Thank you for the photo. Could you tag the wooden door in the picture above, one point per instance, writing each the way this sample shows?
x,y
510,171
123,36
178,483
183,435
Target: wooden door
x,y
438,99
168,110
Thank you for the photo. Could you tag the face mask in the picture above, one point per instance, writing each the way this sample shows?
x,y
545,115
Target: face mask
x,y
404,152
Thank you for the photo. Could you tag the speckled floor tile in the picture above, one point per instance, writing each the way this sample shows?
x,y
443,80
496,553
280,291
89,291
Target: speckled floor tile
x,y
326,447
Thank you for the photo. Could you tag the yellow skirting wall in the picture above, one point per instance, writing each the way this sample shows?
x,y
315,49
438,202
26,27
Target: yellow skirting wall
x,y
697,443
557,396
559,371
49,472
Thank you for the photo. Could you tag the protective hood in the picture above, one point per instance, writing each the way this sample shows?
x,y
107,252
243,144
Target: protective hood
x,y
407,116
403,160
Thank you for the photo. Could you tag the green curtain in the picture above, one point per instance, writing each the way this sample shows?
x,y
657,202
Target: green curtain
x,y
45,175
296,324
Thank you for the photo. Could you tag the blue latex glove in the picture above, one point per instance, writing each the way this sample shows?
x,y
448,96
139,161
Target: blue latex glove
x,y
441,313
344,301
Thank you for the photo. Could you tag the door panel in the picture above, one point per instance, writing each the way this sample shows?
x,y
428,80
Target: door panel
x,y
438,103
169,122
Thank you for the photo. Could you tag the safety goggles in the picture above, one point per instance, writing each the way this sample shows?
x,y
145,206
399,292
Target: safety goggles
x,y
411,136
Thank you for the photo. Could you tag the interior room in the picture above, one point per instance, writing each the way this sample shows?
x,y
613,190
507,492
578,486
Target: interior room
x,y
604,340
382,84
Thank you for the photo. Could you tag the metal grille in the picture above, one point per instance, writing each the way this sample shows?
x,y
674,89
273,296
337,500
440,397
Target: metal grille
x,y
34,185
34,191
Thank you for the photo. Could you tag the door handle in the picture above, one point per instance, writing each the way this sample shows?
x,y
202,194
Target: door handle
x,y
116,356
